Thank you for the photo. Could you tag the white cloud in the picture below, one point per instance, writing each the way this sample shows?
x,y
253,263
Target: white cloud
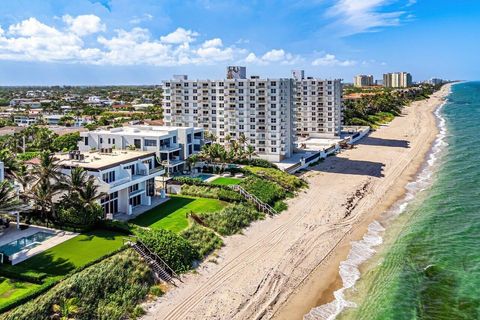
x,y
212,43
273,56
354,16
144,17
179,36
32,40
84,25
331,61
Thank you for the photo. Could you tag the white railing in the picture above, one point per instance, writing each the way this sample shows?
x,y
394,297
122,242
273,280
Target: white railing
x,y
261,206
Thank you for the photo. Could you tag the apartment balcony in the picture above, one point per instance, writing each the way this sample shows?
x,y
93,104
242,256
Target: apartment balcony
x,y
169,148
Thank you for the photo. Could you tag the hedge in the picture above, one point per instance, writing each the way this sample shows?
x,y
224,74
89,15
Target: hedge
x,y
214,192
288,181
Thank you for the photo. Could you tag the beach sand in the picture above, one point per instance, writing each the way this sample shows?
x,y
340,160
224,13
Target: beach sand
x,y
283,266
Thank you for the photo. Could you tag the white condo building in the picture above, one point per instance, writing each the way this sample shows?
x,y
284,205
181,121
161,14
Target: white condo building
x,y
397,80
172,145
127,177
318,106
363,80
259,109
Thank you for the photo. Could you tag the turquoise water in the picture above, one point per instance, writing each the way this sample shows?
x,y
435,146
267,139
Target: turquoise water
x,y
24,242
422,259
429,264
204,176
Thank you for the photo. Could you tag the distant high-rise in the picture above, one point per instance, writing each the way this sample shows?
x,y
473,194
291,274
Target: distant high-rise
x,y
363,80
298,74
236,72
397,80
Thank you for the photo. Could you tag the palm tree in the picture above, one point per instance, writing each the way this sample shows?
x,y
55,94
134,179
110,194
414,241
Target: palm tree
x,y
250,152
191,161
47,183
242,139
8,198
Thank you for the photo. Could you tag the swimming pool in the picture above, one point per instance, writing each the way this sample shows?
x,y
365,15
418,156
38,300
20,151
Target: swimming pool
x,y
204,176
25,242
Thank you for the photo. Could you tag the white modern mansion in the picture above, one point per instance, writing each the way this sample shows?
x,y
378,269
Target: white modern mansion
x,y
127,177
171,145
267,112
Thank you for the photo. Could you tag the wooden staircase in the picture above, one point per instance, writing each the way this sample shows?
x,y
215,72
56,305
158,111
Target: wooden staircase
x,y
160,268
259,204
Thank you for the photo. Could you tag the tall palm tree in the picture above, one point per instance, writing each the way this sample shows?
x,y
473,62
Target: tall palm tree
x,y
8,198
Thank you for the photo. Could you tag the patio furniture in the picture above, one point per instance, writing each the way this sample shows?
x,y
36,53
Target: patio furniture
x,y
239,175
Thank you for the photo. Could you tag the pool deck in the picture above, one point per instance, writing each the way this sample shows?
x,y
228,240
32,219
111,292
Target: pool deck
x,y
12,234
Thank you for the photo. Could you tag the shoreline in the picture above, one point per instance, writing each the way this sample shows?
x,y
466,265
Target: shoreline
x,y
317,291
284,266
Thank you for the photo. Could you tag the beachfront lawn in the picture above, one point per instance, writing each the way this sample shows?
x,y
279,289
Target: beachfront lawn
x,y
11,289
225,181
172,215
56,262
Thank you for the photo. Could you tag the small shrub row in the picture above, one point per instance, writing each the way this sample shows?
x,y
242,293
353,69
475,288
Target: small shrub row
x,y
189,181
231,219
214,192
10,272
202,239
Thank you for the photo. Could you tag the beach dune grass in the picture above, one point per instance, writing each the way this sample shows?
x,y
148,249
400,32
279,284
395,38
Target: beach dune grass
x,y
225,181
172,215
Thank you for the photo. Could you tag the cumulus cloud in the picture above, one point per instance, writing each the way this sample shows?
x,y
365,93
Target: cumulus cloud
x,y
273,56
332,61
179,36
84,24
32,40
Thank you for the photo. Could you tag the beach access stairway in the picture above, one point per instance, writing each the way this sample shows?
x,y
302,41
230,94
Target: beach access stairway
x,y
259,204
160,268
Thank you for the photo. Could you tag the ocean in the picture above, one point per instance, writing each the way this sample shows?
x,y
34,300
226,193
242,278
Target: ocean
x,y
422,259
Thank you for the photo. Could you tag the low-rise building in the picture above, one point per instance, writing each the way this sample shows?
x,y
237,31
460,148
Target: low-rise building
x,y
127,177
172,145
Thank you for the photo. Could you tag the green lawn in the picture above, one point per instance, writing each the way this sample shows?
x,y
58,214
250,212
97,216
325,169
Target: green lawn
x,y
171,215
225,181
11,289
56,262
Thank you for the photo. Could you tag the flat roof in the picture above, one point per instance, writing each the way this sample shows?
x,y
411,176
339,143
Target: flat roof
x,y
143,130
98,161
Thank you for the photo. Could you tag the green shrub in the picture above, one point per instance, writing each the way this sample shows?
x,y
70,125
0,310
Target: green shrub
x,y
9,271
231,219
106,290
265,190
189,180
257,163
288,181
202,239
214,192
29,155
156,291
280,206
177,252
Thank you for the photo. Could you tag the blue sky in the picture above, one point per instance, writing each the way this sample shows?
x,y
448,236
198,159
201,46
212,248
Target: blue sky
x,y
144,42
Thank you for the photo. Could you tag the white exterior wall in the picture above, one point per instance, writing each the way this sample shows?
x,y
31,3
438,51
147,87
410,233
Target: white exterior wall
x,y
261,109
318,107
124,179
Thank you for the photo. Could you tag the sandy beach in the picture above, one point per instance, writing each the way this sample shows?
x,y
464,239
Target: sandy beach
x,y
283,266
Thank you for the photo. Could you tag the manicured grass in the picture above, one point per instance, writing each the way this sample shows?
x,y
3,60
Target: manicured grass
x,y
58,261
225,181
171,215
73,253
11,289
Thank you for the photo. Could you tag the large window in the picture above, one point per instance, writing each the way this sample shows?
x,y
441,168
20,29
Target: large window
x,y
135,201
110,203
150,143
150,187
108,176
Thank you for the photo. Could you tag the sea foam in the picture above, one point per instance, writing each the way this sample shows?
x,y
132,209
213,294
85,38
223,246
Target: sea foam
x,y
364,249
